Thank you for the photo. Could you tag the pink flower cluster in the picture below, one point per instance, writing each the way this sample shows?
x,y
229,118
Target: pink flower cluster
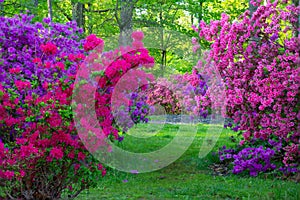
x,y
22,85
49,48
92,41
137,37
182,93
161,92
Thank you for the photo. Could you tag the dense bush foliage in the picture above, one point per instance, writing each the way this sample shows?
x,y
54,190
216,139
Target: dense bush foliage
x,y
41,154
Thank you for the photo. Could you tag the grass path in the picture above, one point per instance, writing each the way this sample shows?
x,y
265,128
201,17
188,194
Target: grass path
x,y
188,177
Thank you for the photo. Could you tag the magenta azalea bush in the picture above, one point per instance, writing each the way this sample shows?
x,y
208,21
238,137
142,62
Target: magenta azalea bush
x,y
124,77
258,58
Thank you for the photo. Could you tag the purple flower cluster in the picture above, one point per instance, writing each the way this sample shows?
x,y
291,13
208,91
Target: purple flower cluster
x,y
233,127
202,86
135,113
253,159
290,169
276,145
138,108
226,154
257,155
22,52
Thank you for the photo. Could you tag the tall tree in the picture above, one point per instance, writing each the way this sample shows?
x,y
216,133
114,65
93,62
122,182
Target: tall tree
x,y
50,11
297,3
36,3
252,8
124,20
78,13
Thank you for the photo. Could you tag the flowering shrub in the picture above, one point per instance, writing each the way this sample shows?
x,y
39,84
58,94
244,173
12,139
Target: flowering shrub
x,y
40,152
258,58
181,91
123,77
161,93
226,155
138,108
38,127
256,155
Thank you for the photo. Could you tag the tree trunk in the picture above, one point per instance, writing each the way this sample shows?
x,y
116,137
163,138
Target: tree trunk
x,y
297,3
200,13
252,8
78,14
36,3
1,9
50,15
125,22
89,24
163,48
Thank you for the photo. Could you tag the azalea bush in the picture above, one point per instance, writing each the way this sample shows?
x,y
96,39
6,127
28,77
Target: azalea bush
x,y
258,59
182,93
161,93
119,100
41,154
251,160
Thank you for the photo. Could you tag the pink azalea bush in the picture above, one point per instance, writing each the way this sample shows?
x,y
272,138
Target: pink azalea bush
x,y
161,93
258,58
182,93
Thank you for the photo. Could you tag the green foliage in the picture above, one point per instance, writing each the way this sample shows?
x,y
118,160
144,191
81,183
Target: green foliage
x,y
175,16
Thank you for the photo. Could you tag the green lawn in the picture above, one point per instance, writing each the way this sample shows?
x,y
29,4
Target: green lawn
x,y
187,178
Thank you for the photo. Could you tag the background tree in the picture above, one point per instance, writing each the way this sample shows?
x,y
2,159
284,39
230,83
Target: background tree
x,y
124,20
114,20
50,11
297,24
78,13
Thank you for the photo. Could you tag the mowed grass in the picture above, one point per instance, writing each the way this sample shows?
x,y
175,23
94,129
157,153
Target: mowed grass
x,y
188,177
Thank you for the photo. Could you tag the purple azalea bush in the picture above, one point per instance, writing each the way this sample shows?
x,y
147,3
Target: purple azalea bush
x,y
253,159
23,47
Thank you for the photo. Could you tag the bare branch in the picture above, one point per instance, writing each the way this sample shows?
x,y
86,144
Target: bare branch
x,y
99,11
116,13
